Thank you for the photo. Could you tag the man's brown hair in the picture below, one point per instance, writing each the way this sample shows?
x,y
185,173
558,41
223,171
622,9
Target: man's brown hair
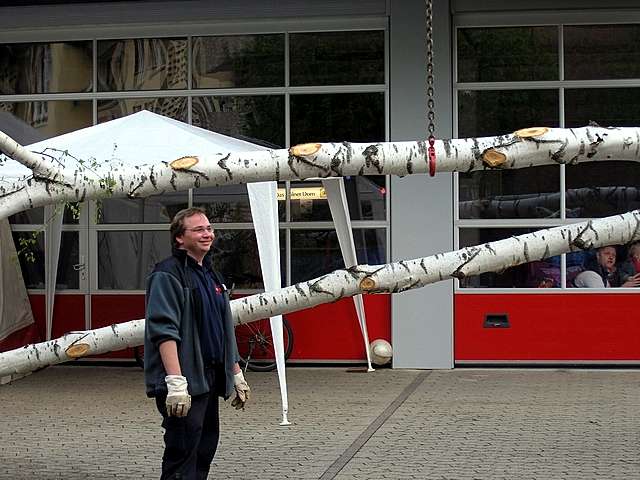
x,y
177,224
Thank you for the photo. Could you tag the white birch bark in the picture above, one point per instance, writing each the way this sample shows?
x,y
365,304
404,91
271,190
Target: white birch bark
x,y
391,278
525,148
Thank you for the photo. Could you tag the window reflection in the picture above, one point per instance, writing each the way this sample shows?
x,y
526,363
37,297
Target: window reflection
x,y
125,259
30,252
602,189
257,119
229,203
604,106
153,209
497,112
353,117
45,67
68,276
522,193
499,54
235,255
172,107
33,216
593,52
365,199
39,120
530,193
142,64
317,252
238,61
538,274
337,58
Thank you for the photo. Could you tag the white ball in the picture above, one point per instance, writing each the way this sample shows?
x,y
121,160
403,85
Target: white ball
x,y
380,351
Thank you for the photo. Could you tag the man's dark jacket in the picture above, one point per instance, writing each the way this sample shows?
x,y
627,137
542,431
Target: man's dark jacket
x,y
172,313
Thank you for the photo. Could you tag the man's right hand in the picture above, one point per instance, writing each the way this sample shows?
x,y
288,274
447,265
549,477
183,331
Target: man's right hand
x,y
178,399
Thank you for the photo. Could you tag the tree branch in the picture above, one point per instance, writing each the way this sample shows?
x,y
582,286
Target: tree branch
x,y
391,278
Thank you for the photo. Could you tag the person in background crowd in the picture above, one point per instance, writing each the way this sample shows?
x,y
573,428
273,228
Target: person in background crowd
x,y
190,351
630,268
601,272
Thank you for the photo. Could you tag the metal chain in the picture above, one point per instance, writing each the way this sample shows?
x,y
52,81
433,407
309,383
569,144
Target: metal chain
x,y
431,115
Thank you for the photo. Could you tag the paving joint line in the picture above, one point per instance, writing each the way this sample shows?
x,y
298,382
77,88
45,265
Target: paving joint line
x,y
335,468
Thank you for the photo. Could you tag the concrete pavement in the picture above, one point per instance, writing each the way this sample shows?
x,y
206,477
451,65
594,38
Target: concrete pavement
x,y
87,422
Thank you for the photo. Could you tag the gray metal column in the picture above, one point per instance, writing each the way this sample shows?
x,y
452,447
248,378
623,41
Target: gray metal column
x,y
421,206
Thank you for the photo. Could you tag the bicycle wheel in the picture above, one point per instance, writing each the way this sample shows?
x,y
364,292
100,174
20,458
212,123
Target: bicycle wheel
x,y
255,345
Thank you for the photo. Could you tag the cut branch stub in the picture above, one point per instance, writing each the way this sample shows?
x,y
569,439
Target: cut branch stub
x,y
305,149
77,350
531,132
183,163
367,284
493,158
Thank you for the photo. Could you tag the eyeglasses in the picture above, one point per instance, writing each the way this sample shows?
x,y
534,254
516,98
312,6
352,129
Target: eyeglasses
x,y
208,229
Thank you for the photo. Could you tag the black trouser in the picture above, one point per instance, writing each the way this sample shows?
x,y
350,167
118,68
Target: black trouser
x,y
191,441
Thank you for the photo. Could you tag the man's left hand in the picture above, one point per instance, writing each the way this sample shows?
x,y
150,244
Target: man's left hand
x,y
242,391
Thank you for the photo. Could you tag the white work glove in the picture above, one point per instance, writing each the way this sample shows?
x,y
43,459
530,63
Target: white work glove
x,y
178,399
242,391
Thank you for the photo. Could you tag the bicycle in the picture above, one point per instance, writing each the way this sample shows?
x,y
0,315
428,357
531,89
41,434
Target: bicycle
x,y
255,346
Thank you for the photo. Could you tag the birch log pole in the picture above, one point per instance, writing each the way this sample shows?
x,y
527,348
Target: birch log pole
x,y
391,278
72,180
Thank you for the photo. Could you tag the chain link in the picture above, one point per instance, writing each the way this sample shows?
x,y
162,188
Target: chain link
x,y
431,115
430,91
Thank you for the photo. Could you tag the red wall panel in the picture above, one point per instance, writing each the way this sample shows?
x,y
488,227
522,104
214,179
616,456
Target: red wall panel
x,y
332,332
325,332
562,327
68,315
110,309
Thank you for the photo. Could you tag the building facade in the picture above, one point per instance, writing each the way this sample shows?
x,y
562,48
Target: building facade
x,y
282,73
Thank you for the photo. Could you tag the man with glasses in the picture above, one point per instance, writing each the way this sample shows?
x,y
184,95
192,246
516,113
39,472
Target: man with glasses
x,y
190,351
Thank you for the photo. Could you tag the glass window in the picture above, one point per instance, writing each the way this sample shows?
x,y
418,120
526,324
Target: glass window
x,y
72,212
602,189
505,54
30,251
365,199
525,193
235,256
229,204
522,193
257,119
605,267
172,107
125,259
353,117
32,122
238,61
45,67
497,112
142,64
33,216
68,276
594,52
337,58
317,252
538,274
153,209
605,106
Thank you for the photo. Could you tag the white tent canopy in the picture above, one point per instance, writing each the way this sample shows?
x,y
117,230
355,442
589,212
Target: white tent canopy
x,y
147,138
